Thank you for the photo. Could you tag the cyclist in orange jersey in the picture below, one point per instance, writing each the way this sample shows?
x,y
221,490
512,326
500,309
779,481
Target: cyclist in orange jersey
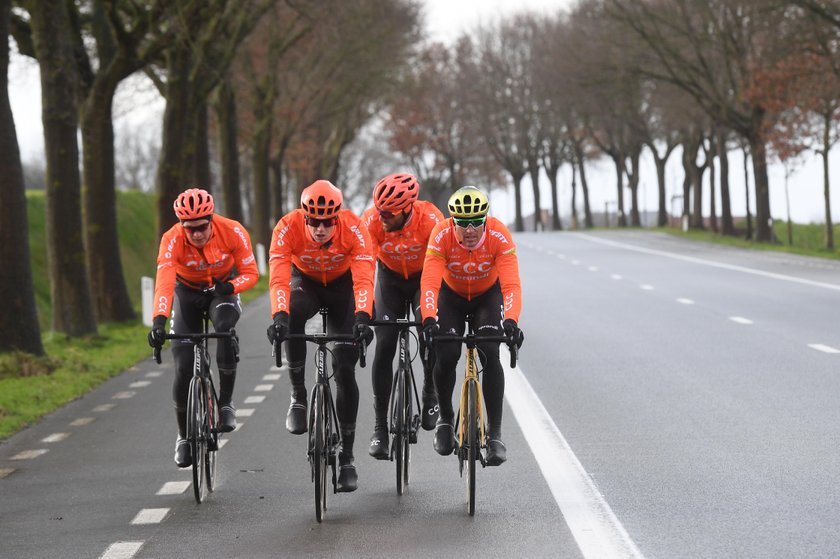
x,y
471,268
205,260
399,226
321,256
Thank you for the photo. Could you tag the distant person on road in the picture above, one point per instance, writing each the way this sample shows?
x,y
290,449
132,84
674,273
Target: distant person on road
x,y
321,257
206,261
399,226
471,268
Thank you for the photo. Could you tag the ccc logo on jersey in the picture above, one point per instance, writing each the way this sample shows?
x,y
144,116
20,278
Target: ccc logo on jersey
x,y
469,267
391,247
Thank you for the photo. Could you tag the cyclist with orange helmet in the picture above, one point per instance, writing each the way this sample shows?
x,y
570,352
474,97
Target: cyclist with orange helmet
x,y
471,268
204,262
321,257
399,226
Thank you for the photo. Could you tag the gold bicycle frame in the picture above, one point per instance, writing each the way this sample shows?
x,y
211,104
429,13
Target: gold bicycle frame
x,y
471,373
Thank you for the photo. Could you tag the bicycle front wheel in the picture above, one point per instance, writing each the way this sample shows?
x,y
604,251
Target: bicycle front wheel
x,y
320,453
472,442
399,426
211,429
195,435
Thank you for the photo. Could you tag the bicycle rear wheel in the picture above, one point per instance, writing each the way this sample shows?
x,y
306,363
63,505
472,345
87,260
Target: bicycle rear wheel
x,y
195,435
399,426
472,442
211,427
320,454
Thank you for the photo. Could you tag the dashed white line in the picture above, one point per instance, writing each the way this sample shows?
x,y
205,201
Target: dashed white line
x,y
223,442
81,422
824,348
140,384
593,268
263,387
173,488
5,472
55,437
123,395
245,412
154,374
616,276
685,301
104,407
646,287
273,376
121,550
575,262
29,454
150,516
561,256
740,320
254,399
597,531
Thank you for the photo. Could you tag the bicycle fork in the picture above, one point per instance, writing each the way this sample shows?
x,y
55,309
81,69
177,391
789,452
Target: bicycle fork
x,y
471,377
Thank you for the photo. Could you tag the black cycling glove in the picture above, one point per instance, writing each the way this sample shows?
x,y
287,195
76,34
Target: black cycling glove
x,y
280,328
157,335
513,332
362,329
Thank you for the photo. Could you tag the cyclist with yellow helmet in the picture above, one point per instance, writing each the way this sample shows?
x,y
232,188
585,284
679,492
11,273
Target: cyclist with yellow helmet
x,y
471,268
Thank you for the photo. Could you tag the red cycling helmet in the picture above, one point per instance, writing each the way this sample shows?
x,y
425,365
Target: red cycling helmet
x,y
321,200
193,203
396,192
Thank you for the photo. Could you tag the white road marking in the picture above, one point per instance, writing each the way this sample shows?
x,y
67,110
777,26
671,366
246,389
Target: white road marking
x,y
223,442
4,472
173,488
685,301
29,454
55,437
121,550
154,374
263,387
575,262
593,268
274,376
123,395
597,531
616,276
81,422
140,384
704,262
150,516
245,412
561,256
254,399
824,348
646,287
104,407
740,320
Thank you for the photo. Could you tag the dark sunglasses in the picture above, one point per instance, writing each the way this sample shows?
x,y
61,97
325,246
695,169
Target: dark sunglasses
x,y
386,215
196,228
474,222
314,222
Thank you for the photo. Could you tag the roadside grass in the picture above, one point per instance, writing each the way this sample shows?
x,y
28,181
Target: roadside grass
x,y
31,387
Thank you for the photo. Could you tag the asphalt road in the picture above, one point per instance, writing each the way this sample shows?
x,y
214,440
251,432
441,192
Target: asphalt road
x,y
684,404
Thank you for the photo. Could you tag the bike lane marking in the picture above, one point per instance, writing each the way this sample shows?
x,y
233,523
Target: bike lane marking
x,y
598,532
122,550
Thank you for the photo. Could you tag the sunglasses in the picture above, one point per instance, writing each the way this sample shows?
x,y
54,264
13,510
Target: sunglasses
x,y
386,215
474,222
314,222
197,228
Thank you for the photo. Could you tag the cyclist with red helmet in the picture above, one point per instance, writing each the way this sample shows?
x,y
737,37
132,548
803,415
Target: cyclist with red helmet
x,y
399,226
471,268
204,262
321,257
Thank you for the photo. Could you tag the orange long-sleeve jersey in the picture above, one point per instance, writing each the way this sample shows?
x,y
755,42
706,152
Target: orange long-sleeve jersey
x,y
348,249
229,247
403,251
471,272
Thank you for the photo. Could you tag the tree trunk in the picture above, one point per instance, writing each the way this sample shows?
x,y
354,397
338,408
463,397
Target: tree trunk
x,y
662,212
728,227
203,177
518,224
277,189
556,222
69,285
633,183
111,300
763,226
747,192
584,187
261,224
618,160
829,226
534,171
710,161
19,328
229,151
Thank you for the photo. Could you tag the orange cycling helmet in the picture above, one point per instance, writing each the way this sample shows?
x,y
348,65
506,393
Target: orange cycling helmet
x,y
193,203
396,192
321,200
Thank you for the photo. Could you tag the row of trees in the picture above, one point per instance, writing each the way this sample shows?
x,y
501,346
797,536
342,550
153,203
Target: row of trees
x,y
283,88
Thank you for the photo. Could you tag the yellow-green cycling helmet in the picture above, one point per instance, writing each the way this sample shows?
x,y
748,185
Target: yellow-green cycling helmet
x,y
468,202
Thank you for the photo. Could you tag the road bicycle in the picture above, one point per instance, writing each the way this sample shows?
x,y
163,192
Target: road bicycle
x,y
404,404
203,428
470,425
323,430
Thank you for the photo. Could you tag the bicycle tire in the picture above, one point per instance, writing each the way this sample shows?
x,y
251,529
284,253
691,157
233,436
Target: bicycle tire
x,y
319,459
399,426
407,422
472,443
211,427
195,420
